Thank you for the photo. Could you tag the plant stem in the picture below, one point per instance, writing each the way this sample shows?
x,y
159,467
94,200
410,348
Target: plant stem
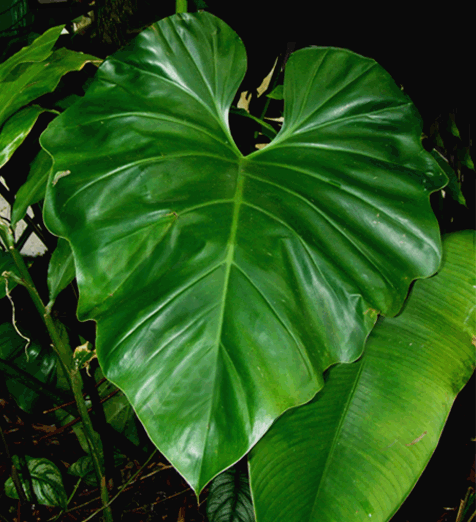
x,y
62,349
15,476
181,6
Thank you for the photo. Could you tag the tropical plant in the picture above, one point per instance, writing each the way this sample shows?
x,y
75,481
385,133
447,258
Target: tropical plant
x,y
236,295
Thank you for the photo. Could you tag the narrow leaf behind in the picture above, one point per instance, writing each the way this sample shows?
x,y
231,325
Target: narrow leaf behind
x,y
356,451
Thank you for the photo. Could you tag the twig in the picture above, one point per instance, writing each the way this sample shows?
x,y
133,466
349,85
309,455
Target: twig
x,y
77,419
123,488
172,496
84,395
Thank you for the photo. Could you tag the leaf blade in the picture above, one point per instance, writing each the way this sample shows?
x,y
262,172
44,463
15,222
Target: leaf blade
x,y
191,259
377,421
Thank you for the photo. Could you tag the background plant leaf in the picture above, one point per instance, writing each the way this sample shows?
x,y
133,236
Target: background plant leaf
x,y
118,410
277,93
47,483
84,468
34,189
7,265
30,73
37,51
223,285
356,450
229,497
37,360
31,79
60,269
16,129
453,188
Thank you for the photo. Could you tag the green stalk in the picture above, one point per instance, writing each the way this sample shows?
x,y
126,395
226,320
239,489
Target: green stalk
x,y
62,349
181,6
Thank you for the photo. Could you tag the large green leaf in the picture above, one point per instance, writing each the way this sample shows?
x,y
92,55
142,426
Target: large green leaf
x,y
356,451
223,286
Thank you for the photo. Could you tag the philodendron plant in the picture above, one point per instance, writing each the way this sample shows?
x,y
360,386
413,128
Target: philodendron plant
x,y
223,285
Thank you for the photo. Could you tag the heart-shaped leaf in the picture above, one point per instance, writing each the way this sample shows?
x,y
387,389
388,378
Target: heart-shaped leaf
x,y
223,285
356,451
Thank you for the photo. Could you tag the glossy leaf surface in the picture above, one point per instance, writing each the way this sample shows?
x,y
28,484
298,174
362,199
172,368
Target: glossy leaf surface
x,y
223,286
356,450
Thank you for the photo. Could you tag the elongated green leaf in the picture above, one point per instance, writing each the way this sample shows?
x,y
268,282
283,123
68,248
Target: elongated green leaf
x,y
61,269
38,51
356,451
229,497
15,130
29,80
47,483
223,286
33,190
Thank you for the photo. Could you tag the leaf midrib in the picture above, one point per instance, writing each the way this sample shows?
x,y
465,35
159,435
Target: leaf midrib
x,y
229,261
338,431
